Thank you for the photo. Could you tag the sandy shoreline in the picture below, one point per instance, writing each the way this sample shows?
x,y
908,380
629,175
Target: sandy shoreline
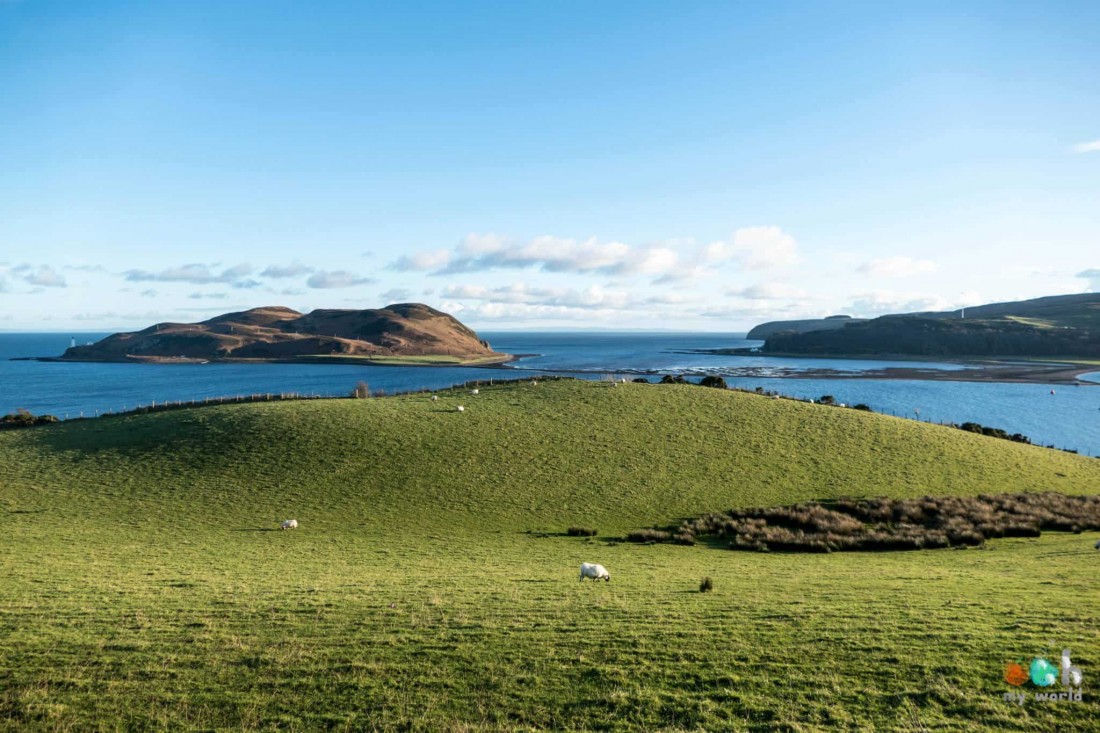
x,y
974,370
1046,374
491,362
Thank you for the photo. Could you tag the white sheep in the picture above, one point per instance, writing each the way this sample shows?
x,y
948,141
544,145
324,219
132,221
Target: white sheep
x,y
1097,545
460,408
474,391
289,524
435,398
594,571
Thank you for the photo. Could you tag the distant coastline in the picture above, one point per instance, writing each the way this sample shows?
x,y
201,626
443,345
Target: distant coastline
x,y
495,360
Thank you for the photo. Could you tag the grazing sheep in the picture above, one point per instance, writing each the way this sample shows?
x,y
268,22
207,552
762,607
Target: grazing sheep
x,y
435,398
1097,545
474,391
594,571
289,524
460,408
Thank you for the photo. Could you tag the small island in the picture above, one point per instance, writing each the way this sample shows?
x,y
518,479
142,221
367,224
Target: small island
x,y
402,334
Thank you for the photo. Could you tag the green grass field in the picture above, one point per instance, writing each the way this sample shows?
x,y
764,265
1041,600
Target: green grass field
x,y
431,587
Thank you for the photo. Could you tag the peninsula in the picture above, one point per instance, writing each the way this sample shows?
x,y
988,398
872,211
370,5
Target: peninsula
x,y
1061,327
403,334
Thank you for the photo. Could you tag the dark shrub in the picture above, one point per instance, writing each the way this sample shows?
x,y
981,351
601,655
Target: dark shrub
x,y
648,535
861,406
23,418
887,524
361,391
707,585
581,532
673,379
712,381
827,399
641,380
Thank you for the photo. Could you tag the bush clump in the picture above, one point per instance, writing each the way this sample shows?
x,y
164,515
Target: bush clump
x,y
887,524
973,427
22,418
581,532
707,585
713,381
649,536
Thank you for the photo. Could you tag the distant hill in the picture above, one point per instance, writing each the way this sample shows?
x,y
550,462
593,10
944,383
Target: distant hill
x,y
1055,326
771,328
273,332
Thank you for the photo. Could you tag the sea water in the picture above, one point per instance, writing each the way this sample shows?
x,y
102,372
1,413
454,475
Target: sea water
x,y
1060,415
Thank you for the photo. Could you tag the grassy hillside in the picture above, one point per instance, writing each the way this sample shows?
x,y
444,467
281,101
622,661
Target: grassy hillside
x,y
430,586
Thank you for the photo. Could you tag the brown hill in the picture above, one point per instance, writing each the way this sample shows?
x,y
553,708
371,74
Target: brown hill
x,y
275,332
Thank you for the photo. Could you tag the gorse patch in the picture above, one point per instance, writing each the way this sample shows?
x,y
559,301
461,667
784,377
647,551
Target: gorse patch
x,y
887,524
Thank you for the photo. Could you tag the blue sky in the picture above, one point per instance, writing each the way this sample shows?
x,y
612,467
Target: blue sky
x,y
534,165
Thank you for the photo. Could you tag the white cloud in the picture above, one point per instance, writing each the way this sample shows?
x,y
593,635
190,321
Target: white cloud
x,y
474,244
1089,147
208,296
294,269
769,291
196,274
1093,278
897,267
883,302
593,296
521,312
672,298
755,248
397,295
758,311
433,260
323,279
44,276
485,252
